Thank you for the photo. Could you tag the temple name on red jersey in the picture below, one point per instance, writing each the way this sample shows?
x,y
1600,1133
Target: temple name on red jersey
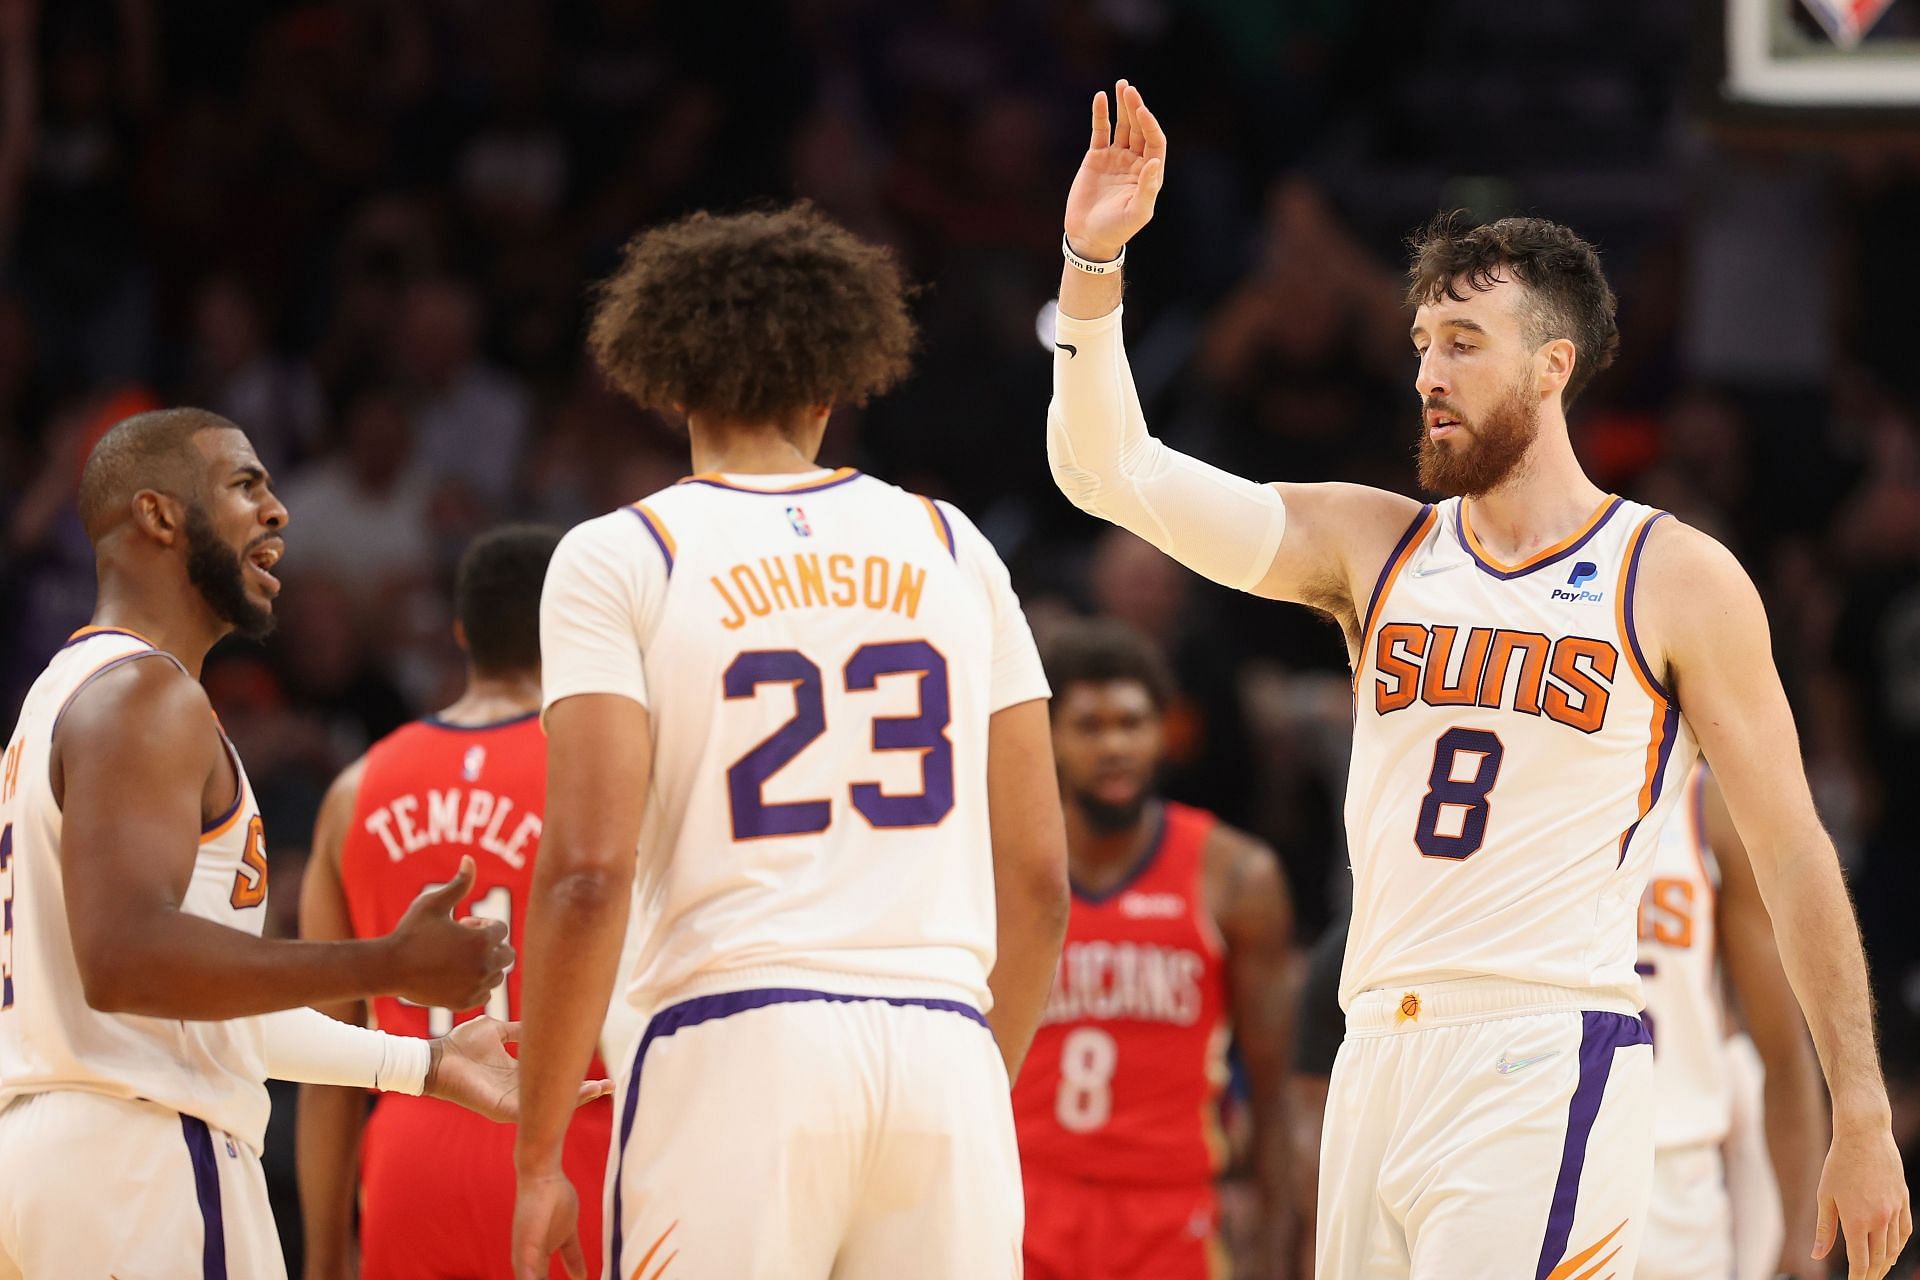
x,y
471,817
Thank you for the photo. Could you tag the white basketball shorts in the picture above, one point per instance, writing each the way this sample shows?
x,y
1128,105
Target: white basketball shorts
x,y
1479,1128
96,1186
792,1133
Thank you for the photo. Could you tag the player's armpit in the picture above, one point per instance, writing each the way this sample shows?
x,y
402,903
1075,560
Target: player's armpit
x,y
1339,539
1029,873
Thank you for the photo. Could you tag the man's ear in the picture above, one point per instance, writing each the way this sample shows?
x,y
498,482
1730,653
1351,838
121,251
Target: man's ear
x,y
1555,363
160,516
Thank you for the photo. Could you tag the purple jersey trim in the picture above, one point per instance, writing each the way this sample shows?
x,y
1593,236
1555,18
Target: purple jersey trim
x,y
1386,571
665,552
946,527
1669,730
1626,605
206,1189
88,634
691,1013
1600,1035
1507,575
773,493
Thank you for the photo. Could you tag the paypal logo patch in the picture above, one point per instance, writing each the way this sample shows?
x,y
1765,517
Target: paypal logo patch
x,y
1583,572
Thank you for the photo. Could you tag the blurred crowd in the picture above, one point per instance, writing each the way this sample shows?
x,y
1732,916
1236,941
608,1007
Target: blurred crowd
x,y
367,233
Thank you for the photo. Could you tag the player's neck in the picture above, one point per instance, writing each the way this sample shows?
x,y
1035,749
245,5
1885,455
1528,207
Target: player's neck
x,y
171,616
1097,858
489,699
1546,499
750,449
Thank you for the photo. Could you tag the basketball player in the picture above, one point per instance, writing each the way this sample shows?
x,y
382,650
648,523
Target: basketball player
x,y
811,700
470,781
1178,935
1701,912
1522,653
133,870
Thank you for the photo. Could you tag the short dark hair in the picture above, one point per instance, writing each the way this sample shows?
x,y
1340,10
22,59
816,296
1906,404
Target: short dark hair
x,y
146,451
497,596
753,317
1102,650
1568,292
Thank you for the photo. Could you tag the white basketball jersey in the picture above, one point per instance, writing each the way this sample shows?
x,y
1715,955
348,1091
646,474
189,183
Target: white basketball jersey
x,y
1680,974
50,1038
819,656
1514,758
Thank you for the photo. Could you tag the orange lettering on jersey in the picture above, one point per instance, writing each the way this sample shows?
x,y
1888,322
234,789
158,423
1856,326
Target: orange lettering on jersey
x,y
1532,648
1666,912
813,584
778,583
12,783
1402,668
250,881
735,617
1438,691
1570,680
1592,683
840,569
906,598
751,591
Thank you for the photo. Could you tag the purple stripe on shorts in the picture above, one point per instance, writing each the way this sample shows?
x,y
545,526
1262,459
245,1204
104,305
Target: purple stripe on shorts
x,y
206,1189
1600,1035
691,1013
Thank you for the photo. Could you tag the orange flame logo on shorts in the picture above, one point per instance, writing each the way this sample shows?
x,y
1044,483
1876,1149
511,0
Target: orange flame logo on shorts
x,y
1409,1007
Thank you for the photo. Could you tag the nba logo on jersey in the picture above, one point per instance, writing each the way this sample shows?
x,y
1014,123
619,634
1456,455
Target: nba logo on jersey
x,y
798,519
473,763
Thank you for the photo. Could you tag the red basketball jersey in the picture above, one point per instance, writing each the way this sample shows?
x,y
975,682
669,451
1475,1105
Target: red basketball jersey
x,y
1124,1079
431,793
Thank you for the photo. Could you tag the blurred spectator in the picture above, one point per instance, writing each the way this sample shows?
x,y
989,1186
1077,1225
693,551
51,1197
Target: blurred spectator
x,y
471,419
237,376
362,515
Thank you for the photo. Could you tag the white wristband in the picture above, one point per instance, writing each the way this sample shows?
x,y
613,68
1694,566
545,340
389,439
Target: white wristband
x,y
1083,264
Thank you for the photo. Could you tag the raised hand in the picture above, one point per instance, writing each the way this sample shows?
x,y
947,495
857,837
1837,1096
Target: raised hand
x,y
442,962
1113,194
471,1067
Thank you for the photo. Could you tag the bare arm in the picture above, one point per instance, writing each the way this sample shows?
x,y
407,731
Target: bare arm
x,y
330,1120
599,763
1316,544
1255,916
1795,1119
133,758
1029,874
1706,618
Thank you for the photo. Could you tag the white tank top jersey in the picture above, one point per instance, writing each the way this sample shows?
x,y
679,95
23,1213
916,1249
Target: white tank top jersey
x,y
1514,758
50,1038
819,655
1680,974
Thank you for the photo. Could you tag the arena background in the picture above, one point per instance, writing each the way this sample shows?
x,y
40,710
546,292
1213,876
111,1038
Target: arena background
x,y
365,230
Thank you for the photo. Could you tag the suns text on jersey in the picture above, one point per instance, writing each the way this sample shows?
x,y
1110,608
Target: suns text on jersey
x,y
471,816
1568,680
1109,981
813,581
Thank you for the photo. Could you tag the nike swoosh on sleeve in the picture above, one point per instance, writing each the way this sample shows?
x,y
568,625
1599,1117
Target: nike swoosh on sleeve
x,y
1071,351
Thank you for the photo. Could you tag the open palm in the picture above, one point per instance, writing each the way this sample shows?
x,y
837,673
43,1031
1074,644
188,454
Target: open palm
x,y
1113,194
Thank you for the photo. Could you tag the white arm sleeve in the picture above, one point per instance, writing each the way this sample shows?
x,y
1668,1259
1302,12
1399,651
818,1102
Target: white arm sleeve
x,y
1217,524
307,1046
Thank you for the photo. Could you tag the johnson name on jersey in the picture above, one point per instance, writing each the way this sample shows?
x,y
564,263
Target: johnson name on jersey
x,y
1515,756
819,657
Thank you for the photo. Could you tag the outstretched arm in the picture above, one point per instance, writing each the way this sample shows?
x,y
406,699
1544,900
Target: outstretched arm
x,y
1705,617
1795,1121
1306,543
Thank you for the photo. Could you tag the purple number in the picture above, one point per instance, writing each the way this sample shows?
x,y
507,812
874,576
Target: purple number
x,y
925,733
1443,789
6,933
753,817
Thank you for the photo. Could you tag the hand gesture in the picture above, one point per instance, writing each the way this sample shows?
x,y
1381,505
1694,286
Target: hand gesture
x,y
471,1067
1863,1191
1113,194
442,962
546,1221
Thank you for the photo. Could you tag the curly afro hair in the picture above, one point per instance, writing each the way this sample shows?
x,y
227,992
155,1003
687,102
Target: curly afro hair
x,y
752,317
1568,291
